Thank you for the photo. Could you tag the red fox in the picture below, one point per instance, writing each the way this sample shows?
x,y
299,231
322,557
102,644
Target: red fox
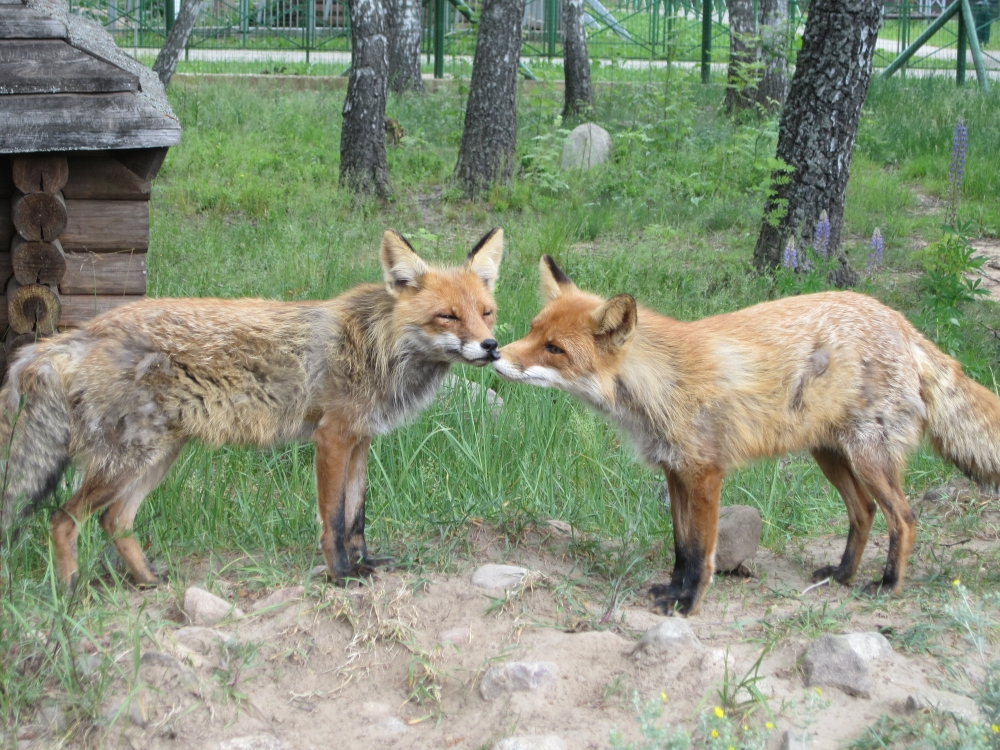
x,y
837,374
121,395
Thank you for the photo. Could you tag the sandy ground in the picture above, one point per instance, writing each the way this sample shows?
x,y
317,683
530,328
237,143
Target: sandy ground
x,y
397,663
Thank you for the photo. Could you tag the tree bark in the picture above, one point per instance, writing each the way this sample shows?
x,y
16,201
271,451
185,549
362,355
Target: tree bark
x,y
486,154
403,30
363,165
772,89
743,53
170,53
576,62
818,126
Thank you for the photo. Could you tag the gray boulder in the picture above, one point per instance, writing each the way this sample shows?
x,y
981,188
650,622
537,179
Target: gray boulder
x,y
869,646
586,146
671,637
740,527
203,608
516,676
831,661
929,699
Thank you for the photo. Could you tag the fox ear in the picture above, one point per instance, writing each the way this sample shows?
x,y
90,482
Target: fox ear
x,y
401,266
615,320
553,281
484,259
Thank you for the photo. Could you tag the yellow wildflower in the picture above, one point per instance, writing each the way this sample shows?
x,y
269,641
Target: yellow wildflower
x,y
714,734
719,712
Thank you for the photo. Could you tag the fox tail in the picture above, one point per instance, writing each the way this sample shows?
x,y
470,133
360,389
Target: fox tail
x,y
34,435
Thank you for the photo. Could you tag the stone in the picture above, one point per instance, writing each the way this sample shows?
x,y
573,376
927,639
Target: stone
x,y
516,676
276,599
531,742
498,576
831,661
671,637
201,640
794,740
944,702
714,663
254,742
869,646
454,385
159,670
133,707
203,608
587,145
455,635
740,527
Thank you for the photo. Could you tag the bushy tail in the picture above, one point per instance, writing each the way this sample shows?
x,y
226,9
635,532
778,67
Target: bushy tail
x,y
963,417
34,434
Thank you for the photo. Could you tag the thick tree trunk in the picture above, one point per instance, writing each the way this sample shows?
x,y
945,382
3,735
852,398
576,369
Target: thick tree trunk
x,y
576,63
486,155
170,53
818,127
774,39
743,53
363,166
403,29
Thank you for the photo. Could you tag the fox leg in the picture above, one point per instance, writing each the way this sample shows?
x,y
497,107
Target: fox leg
x,y
118,518
94,494
885,484
694,508
354,512
860,513
334,449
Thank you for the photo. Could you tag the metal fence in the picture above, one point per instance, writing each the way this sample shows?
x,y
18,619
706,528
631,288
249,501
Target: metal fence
x,y
619,30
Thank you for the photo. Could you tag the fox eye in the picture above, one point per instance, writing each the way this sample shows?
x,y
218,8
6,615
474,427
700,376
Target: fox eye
x,y
446,316
553,349
487,313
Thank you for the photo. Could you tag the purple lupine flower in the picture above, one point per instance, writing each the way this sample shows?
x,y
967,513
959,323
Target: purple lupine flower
x,y
821,239
790,259
956,171
875,256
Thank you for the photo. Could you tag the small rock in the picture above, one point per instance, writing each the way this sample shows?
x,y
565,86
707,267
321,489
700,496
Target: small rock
x,y
869,646
453,384
587,145
671,637
714,664
515,676
254,742
531,742
276,599
831,661
159,669
794,740
740,527
640,620
204,608
133,707
498,576
762,686
944,702
455,635
389,727
202,640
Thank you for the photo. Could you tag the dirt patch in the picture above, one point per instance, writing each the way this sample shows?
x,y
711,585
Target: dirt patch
x,y
989,273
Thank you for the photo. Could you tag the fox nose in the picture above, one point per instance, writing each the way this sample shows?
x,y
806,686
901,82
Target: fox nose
x,y
490,345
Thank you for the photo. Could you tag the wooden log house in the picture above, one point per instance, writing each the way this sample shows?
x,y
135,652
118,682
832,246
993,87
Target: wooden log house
x,y
83,130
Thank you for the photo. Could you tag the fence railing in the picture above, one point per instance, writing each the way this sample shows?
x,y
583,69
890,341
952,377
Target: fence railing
x,y
617,29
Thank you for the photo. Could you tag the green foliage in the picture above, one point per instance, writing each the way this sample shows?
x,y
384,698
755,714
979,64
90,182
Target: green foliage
x,y
716,730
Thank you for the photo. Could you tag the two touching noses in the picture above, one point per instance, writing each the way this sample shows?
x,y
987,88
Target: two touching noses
x,y
490,346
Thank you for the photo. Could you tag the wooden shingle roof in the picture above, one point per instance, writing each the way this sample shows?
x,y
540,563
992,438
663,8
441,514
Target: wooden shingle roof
x,y
65,86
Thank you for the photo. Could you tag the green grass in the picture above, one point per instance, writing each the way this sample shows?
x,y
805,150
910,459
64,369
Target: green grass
x,y
249,204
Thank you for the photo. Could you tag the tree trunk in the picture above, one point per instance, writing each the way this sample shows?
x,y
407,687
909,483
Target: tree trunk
x,y
818,127
576,63
170,53
486,154
403,30
363,165
741,82
774,39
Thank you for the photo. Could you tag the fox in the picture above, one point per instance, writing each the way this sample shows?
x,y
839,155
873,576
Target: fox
x,y
837,374
120,396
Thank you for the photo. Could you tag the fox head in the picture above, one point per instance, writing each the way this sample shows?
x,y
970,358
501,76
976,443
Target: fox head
x,y
576,343
449,312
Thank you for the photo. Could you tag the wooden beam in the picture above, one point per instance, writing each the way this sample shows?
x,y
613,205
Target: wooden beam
x,y
6,271
50,66
144,162
22,22
37,262
38,216
106,225
32,307
99,176
104,273
70,122
6,226
40,173
78,309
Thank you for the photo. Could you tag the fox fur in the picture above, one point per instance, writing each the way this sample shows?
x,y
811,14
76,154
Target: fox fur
x,y
120,396
837,374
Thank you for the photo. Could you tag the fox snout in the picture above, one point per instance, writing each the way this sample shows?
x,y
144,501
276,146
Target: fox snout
x,y
482,352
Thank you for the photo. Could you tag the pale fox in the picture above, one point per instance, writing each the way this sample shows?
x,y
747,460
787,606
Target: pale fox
x,y
120,396
838,374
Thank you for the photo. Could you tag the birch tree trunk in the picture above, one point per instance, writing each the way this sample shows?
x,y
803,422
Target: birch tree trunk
x,y
576,62
170,53
486,154
403,29
772,88
818,127
363,166
742,78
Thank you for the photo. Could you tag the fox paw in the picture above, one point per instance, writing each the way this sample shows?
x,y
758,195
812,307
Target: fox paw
x,y
835,572
668,600
374,563
878,588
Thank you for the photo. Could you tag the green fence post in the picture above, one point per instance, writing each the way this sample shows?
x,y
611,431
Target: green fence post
x,y
244,19
960,64
550,27
168,14
977,54
439,38
706,40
